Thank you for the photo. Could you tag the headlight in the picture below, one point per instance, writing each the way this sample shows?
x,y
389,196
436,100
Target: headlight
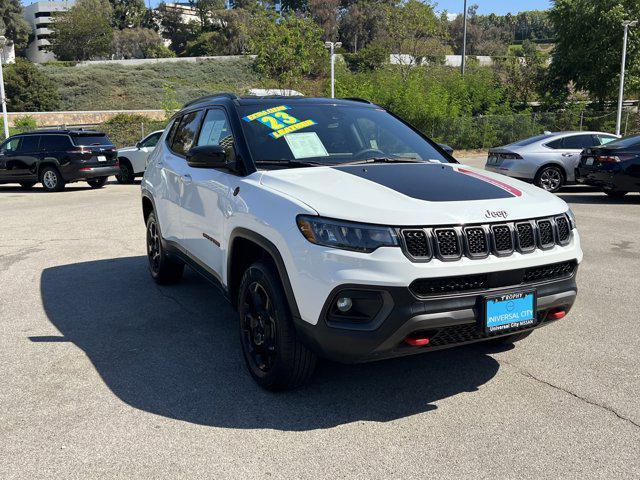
x,y
346,235
572,219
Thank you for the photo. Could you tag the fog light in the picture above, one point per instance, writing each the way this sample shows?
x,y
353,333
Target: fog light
x,y
344,304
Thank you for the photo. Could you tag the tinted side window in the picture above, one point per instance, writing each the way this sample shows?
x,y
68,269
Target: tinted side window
x,y
29,144
604,139
556,144
578,142
186,133
215,129
55,143
12,145
151,140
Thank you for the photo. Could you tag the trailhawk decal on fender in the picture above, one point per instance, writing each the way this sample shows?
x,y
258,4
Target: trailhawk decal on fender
x,y
433,182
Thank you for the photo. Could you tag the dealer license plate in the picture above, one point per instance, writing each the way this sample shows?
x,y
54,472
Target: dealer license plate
x,y
510,311
102,158
589,161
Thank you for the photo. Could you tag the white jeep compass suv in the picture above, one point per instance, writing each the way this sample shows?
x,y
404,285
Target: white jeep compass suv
x,y
337,230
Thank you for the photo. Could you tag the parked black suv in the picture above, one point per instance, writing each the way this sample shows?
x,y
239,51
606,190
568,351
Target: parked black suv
x,y
57,157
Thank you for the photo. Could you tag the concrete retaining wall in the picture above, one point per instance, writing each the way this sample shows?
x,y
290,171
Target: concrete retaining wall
x,y
57,119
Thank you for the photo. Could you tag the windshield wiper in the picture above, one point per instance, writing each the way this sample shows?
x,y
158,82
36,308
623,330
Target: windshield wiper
x,y
384,160
289,163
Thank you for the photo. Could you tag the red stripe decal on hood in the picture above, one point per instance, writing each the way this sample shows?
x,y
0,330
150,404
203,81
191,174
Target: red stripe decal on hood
x,y
492,181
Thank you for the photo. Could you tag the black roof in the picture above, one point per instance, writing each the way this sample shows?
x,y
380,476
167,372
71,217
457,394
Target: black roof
x,y
257,100
64,132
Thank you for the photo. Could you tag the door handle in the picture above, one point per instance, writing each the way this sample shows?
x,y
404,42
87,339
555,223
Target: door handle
x,y
186,178
568,154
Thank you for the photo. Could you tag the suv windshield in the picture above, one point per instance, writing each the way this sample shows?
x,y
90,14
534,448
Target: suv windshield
x,y
329,134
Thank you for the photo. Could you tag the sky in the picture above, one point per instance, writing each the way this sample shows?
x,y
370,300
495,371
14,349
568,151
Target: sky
x,y
493,6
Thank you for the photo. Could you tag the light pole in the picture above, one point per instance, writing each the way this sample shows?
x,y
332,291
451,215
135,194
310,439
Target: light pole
x,y
464,37
626,24
332,46
3,42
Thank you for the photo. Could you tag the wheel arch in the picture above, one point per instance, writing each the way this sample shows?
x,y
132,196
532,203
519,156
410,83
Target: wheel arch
x,y
148,205
246,247
47,162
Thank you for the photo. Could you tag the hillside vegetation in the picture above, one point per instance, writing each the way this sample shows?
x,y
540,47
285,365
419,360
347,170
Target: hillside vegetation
x,y
153,86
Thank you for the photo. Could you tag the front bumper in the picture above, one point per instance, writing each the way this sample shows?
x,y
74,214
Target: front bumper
x,y
447,321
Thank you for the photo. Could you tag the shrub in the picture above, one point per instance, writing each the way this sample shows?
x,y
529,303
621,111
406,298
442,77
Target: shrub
x,y
24,123
127,129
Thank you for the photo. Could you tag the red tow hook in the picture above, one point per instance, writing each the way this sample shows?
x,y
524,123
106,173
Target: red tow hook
x,y
416,341
556,313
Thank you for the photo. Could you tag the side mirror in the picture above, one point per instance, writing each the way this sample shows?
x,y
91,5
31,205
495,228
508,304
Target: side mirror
x,y
207,156
139,145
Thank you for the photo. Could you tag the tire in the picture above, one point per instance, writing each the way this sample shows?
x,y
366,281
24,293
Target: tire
x,y
51,179
27,185
550,178
275,356
126,174
163,268
509,339
614,193
97,182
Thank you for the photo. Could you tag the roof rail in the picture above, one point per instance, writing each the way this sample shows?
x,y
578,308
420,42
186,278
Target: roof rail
x,y
357,99
232,96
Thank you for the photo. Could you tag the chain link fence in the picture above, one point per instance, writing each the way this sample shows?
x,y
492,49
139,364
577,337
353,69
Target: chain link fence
x,y
488,131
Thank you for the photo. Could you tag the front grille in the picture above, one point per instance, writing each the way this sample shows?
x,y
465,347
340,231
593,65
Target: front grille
x,y
446,285
562,226
425,287
448,243
478,241
549,272
502,239
526,236
468,332
545,227
417,243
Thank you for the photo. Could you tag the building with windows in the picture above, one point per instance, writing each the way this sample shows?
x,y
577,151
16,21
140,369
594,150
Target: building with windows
x,y
39,15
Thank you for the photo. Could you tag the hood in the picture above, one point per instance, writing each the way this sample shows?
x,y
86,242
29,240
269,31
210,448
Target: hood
x,y
405,194
127,149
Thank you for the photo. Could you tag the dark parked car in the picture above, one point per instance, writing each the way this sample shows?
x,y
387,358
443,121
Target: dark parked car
x,y
57,157
614,167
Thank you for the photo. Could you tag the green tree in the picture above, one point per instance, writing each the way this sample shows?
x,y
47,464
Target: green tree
x,y
229,35
287,50
83,32
128,13
12,23
411,28
175,29
139,43
589,45
28,89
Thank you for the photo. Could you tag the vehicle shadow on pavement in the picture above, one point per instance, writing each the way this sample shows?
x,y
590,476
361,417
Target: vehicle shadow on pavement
x,y
174,351
598,198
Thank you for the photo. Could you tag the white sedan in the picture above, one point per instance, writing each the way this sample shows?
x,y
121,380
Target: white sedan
x,y
133,160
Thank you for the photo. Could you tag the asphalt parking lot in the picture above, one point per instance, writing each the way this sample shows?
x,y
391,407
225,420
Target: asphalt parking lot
x,y
103,374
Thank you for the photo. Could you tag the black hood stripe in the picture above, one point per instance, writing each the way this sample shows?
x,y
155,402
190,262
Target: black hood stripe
x,y
433,182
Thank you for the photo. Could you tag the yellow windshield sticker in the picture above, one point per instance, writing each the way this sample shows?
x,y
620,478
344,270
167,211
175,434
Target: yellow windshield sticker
x,y
278,120
262,113
292,128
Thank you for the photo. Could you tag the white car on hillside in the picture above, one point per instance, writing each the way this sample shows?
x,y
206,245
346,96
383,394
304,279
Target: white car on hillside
x,y
133,160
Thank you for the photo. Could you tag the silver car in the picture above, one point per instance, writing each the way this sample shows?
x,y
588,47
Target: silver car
x,y
548,160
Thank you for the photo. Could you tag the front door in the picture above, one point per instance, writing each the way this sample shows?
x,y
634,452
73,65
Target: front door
x,y
208,197
174,175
